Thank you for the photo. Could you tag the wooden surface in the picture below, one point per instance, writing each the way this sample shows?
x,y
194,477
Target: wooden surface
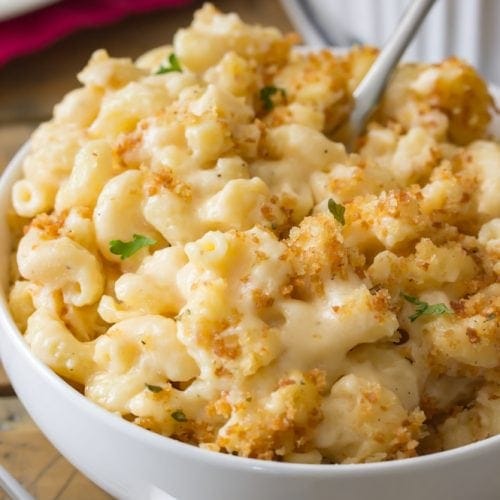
x,y
29,88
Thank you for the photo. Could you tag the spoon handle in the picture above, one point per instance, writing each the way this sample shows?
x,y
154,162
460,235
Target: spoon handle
x,y
11,487
370,88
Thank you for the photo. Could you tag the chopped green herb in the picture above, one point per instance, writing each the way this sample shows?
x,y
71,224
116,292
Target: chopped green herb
x,y
267,93
490,317
179,416
337,210
154,388
423,308
127,248
174,66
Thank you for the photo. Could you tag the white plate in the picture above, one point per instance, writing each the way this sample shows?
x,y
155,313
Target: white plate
x,y
14,8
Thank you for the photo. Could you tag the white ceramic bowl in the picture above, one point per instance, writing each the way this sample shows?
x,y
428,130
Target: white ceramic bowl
x,y
132,463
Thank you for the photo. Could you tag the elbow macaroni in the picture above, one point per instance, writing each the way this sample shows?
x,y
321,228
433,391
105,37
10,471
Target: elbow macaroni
x,y
260,318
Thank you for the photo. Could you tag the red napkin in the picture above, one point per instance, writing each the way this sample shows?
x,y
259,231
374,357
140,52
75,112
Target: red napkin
x,y
36,30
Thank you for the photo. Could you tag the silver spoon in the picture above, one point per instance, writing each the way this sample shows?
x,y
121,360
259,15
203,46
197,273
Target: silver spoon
x,y
11,487
370,88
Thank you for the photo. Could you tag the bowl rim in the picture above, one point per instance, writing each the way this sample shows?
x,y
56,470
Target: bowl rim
x,y
10,333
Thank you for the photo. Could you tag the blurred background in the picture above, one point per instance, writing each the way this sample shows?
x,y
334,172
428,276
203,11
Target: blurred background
x,y
463,28
44,43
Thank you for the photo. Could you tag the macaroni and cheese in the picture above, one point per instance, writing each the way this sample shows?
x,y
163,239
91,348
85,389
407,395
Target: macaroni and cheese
x,y
203,257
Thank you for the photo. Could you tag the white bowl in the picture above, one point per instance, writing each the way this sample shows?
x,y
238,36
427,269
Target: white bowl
x,y
132,463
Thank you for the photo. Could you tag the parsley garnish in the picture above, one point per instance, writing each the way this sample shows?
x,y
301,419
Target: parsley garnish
x,y
266,95
337,210
179,416
490,317
127,248
154,388
423,308
174,66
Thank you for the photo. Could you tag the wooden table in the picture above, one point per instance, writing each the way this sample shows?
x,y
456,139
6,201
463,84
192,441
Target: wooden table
x,y
29,88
